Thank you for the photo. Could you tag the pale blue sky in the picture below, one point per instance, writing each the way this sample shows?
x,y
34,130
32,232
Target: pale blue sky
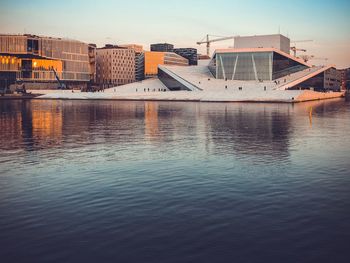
x,y
184,22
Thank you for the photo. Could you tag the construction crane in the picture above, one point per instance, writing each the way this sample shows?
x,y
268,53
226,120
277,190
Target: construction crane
x,y
60,84
208,41
295,49
306,58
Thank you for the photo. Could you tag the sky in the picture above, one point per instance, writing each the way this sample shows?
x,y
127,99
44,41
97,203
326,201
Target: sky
x,y
184,22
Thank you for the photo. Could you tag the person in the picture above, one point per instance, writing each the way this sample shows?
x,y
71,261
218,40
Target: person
x,y
24,88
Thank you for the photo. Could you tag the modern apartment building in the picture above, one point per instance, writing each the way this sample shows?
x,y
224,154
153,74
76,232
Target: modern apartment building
x,y
154,59
188,53
162,47
38,60
115,66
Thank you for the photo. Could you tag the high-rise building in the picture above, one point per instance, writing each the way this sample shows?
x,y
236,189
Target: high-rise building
x,y
154,59
188,53
37,61
162,47
115,66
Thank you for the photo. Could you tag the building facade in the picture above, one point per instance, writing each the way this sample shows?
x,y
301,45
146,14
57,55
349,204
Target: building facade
x,y
254,64
139,60
37,59
277,41
115,66
188,53
154,59
162,47
329,80
137,48
139,66
92,62
345,78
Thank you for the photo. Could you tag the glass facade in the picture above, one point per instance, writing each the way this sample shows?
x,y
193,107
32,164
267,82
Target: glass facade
x,y
283,66
255,66
243,66
36,57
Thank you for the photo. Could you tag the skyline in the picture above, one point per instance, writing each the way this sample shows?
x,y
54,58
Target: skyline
x,y
146,22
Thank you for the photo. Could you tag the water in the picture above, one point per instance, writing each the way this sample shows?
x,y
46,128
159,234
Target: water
x,y
105,181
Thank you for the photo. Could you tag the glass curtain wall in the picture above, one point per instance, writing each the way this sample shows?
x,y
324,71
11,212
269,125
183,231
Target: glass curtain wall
x,y
244,66
283,66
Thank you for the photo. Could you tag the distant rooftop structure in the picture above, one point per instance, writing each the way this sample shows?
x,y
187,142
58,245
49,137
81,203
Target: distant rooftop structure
x,y
162,47
277,41
137,48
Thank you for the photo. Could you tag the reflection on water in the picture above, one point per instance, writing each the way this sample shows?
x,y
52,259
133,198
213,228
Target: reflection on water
x,y
257,129
85,181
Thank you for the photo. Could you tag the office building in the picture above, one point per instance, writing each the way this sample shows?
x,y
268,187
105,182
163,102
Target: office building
x,y
154,59
115,66
37,60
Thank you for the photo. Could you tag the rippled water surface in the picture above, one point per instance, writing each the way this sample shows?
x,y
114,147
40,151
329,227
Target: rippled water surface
x,y
106,181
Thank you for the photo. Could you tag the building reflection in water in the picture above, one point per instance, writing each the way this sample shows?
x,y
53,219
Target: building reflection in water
x,y
151,120
203,128
10,124
254,129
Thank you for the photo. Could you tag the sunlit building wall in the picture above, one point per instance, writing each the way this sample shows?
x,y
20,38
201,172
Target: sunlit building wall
x,y
115,66
153,59
139,60
69,58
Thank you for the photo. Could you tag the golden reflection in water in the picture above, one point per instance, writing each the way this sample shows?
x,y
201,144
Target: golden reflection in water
x,y
47,123
151,120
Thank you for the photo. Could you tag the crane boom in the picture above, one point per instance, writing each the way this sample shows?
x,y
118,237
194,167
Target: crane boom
x,y
208,41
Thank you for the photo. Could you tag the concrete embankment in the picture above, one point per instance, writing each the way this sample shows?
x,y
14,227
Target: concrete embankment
x,y
290,96
309,95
